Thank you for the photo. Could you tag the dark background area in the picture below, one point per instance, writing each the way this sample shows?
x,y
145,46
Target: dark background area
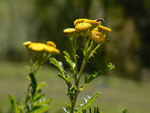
x,y
42,20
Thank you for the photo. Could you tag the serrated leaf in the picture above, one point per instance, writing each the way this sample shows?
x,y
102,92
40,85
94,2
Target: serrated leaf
x,y
88,103
40,109
58,65
14,104
108,67
69,61
41,85
38,97
67,108
42,102
60,68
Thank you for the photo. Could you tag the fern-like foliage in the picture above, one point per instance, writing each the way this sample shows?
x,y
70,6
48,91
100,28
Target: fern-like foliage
x,y
35,102
108,67
87,103
62,73
95,110
69,61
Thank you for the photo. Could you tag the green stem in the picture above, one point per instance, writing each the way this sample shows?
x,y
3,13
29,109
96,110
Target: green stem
x,y
88,52
77,85
74,48
93,51
31,92
33,84
30,59
77,78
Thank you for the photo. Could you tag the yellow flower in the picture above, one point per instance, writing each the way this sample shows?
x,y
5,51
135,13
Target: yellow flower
x,y
51,43
26,44
83,26
69,30
103,28
51,49
92,22
80,20
56,51
97,36
38,47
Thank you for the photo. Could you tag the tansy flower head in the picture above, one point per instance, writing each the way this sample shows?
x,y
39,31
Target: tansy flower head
x,y
56,51
26,44
97,36
69,30
92,22
51,43
83,26
104,29
51,49
80,20
38,47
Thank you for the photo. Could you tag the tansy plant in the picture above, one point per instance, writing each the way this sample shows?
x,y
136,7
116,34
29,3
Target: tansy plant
x,y
35,100
93,36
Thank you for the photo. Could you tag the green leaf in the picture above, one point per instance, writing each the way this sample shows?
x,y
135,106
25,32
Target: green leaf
x,y
14,104
33,83
41,85
108,67
67,108
58,65
62,74
88,102
125,111
42,102
40,109
95,110
69,61
38,96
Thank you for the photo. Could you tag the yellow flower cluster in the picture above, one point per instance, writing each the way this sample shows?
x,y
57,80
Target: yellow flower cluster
x,y
97,36
95,30
50,47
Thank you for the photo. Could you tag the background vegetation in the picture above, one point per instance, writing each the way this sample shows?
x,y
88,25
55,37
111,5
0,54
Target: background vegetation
x,y
42,20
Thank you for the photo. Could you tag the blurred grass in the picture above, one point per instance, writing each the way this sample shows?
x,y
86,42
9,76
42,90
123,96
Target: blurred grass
x,y
116,93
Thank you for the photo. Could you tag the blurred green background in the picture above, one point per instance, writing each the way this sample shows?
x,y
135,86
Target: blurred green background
x,y
41,20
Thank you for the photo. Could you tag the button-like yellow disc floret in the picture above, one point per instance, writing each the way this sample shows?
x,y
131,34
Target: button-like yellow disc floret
x,y
51,49
92,22
38,47
80,20
26,44
83,26
103,28
69,30
97,36
51,43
